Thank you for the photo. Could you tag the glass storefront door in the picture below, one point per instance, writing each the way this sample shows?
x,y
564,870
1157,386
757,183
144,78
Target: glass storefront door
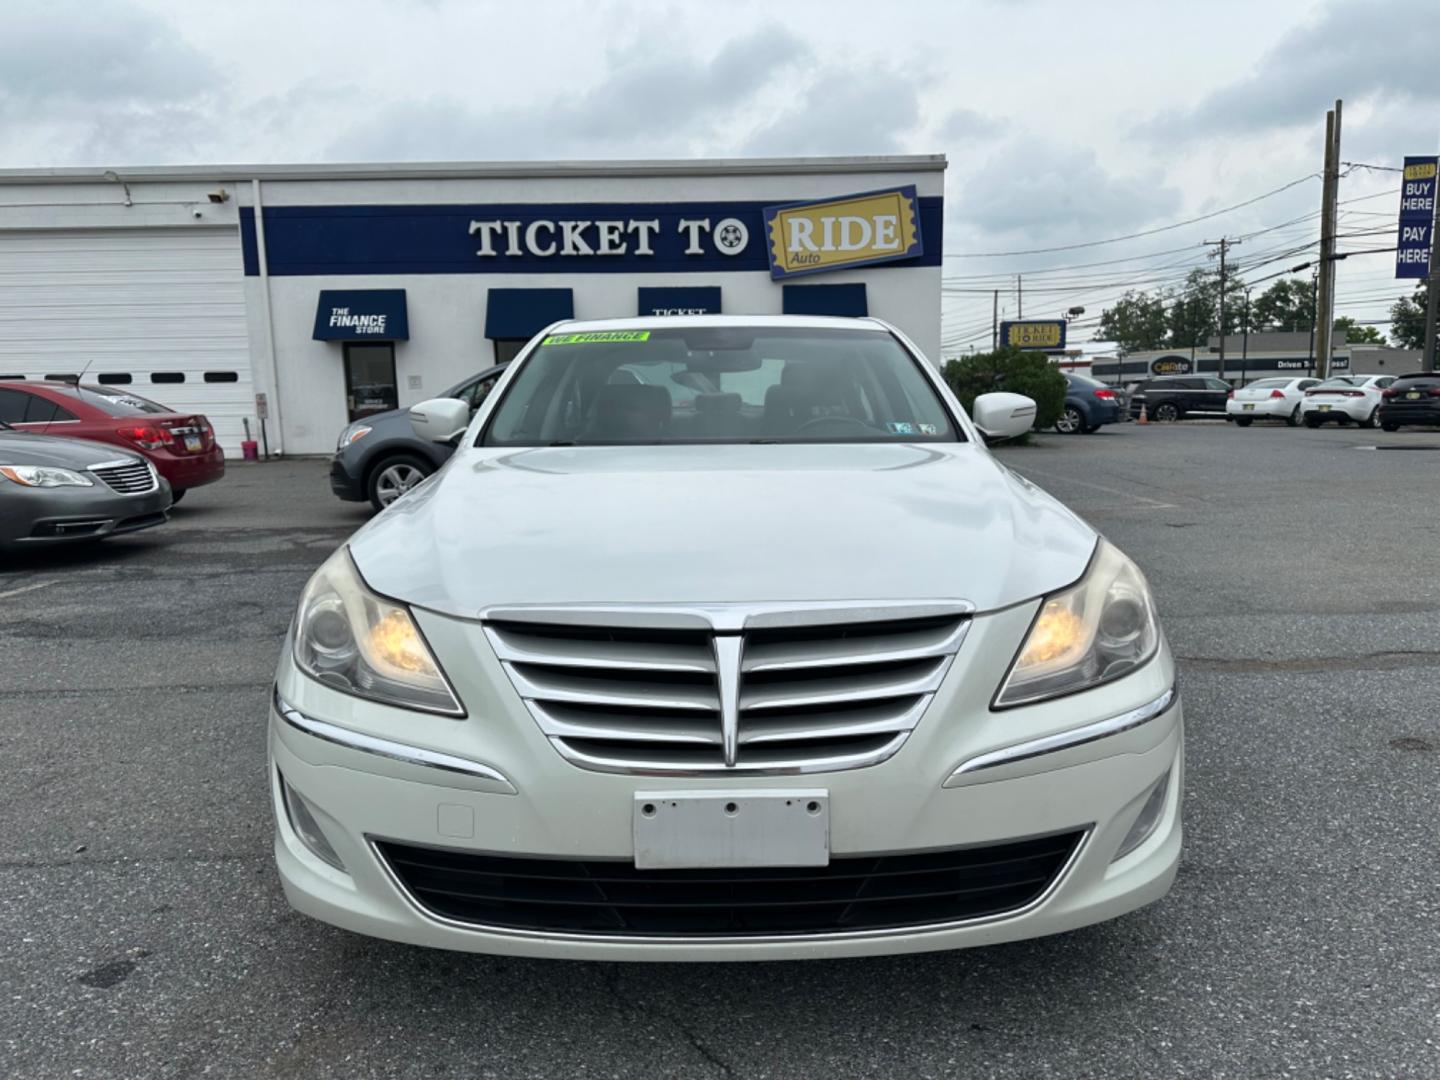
x,y
370,378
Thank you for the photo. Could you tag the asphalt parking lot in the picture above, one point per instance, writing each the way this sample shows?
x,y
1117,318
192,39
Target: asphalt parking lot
x,y
143,932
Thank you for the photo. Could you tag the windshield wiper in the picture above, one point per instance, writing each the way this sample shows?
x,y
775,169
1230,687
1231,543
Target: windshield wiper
x,y
764,442
564,442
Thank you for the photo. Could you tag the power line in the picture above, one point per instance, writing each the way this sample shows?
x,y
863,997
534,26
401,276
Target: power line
x,y
1135,235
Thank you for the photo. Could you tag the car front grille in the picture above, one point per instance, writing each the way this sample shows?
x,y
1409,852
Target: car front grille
x,y
614,898
128,478
794,691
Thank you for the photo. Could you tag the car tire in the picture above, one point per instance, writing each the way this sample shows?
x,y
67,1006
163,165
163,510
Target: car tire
x,y
1312,421
1071,422
1293,420
1244,421
1385,425
1167,412
177,494
392,477
1373,420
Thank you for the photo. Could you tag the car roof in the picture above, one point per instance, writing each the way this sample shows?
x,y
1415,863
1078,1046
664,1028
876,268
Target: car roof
x,y
651,322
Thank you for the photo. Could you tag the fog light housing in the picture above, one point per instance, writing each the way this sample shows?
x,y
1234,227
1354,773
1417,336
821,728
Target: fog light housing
x,y
307,828
1150,815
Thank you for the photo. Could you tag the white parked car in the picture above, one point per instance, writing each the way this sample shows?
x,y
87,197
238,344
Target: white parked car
x,y
1279,399
1345,397
786,666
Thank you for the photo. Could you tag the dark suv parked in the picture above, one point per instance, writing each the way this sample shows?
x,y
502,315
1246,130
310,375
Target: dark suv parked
x,y
380,457
1174,397
1411,399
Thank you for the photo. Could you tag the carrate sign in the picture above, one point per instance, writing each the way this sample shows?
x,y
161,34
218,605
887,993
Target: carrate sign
x,y
856,230
1417,218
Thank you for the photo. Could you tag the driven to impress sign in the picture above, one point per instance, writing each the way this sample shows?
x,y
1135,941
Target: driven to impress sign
x,y
1417,218
857,230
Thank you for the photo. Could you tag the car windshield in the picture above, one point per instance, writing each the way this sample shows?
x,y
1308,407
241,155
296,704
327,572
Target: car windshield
x,y
722,384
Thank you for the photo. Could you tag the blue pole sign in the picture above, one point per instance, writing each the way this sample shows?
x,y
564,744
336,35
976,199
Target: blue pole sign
x,y
1417,218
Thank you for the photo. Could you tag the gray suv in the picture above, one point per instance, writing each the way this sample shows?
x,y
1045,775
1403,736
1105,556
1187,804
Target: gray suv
x,y
380,458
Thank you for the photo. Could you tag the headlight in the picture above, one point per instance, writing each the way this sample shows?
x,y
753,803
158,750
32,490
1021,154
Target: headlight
x,y
348,638
42,476
1093,632
353,433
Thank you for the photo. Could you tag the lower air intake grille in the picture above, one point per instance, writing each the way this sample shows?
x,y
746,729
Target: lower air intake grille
x,y
131,478
615,898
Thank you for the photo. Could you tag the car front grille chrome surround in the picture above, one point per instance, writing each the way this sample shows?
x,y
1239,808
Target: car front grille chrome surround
x,y
785,689
128,477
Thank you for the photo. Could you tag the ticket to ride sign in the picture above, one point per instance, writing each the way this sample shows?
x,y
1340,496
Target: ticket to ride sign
x,y
1047,335
855,230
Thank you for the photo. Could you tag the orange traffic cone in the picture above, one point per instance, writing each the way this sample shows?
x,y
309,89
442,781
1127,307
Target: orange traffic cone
x,y
1144,416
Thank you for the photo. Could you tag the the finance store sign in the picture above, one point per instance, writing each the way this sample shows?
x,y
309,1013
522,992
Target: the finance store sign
x,y
788,239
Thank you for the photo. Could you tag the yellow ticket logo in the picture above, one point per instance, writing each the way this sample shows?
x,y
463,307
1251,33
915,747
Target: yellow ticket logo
x,y
857,230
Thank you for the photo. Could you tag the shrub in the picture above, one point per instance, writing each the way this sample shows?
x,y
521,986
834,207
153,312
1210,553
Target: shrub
x,y
1029,373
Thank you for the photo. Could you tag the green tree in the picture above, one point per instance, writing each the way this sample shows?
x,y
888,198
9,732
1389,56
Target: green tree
x,y
1030,373
1195,309
1289,304
1407,319
1355,334
1137,321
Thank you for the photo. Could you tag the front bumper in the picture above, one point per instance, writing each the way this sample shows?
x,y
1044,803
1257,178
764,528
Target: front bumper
x,y
45,517
498,787
346,484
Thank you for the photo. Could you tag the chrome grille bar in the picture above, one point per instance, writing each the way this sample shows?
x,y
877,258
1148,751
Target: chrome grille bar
x,y
771,689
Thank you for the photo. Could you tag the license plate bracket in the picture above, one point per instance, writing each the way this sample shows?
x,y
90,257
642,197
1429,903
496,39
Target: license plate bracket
x,y
678,830
1249,408
193,443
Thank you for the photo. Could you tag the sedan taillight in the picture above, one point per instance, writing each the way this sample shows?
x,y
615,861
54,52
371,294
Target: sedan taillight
x,y
1387,392
1106,395
146,436
1277,393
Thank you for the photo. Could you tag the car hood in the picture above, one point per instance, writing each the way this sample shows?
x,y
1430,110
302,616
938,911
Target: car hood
x,y
722,524
17,448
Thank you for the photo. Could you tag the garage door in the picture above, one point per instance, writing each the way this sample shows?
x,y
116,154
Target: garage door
x,y
161,311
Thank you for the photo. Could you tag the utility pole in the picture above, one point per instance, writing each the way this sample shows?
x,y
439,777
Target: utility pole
x,y
995,322
1224,244
1314,278
1325,310
1019,299
1245,341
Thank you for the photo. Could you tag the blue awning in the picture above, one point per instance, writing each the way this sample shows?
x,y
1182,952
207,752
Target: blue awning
x,y
362,315
825,300
680,300
522,313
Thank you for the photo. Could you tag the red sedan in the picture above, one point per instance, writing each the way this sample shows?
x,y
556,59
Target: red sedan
x,y
181,445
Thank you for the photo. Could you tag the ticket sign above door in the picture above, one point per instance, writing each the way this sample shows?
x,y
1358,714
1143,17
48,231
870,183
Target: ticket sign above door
x,y
856,230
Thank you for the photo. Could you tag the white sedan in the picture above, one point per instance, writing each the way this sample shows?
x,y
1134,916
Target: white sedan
x,y
790,667
1279,399
1344,398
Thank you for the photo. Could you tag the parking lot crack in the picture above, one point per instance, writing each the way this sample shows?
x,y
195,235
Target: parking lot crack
x,y
610,980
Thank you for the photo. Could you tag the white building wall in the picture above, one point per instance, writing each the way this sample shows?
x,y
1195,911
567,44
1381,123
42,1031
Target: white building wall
x,y
447,311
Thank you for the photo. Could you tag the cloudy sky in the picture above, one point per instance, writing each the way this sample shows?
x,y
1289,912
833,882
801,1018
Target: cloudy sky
x,y
1061,129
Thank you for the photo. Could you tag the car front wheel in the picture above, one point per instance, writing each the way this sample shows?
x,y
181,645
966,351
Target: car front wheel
x,y
1373,420
1293,420
395,476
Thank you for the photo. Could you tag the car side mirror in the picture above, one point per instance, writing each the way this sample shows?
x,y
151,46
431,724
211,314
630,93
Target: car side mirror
x,y
1003,416
440,420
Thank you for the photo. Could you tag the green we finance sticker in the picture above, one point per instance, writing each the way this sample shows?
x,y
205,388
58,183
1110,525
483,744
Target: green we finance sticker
x,y
597,337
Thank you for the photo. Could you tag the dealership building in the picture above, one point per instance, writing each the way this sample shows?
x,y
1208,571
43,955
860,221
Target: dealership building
x,y
308,296
1261,355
